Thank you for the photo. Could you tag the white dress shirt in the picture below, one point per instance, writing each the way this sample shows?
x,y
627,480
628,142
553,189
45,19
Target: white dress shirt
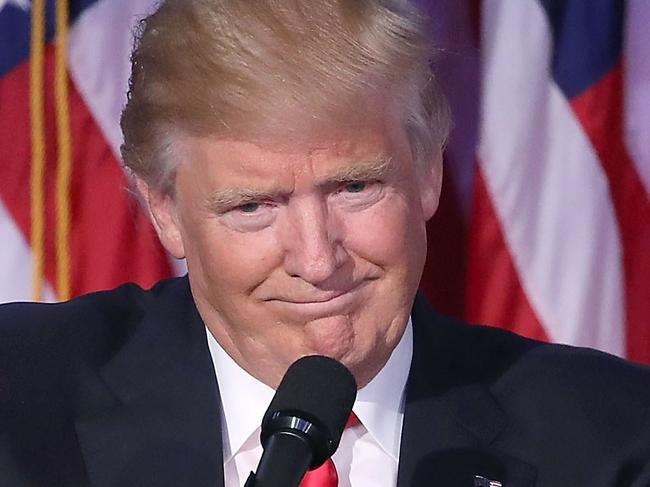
x,y
368,453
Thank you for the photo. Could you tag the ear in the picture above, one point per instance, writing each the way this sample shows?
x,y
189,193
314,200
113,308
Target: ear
x,y
163,214
430,186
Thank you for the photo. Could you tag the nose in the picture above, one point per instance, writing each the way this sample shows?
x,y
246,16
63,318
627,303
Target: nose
x,y
312,241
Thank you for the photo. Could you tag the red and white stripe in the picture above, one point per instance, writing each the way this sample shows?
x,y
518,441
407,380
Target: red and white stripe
x,y
547,185
558,238
111,240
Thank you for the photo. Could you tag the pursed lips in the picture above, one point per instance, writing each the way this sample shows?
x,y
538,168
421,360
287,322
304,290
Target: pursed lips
x,y
321,298
323,302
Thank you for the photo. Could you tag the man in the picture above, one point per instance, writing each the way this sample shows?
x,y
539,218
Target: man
x,y
291,152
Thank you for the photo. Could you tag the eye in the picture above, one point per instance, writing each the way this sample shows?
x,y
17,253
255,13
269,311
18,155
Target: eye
x,y
355,186
357,195
251,207
250,216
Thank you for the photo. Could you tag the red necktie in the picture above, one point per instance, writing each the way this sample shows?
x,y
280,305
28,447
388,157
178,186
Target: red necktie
x,y
325,475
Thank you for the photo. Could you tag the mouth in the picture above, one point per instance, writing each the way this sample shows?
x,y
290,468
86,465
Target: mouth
x,y
323,304
321,298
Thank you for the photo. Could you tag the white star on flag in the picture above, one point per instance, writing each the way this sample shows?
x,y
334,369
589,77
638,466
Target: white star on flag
x,y
22,4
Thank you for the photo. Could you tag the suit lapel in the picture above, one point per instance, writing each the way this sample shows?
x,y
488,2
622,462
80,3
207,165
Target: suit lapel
x,y
451,419
152,416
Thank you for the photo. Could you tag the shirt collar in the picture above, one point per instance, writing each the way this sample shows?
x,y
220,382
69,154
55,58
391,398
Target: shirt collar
x,y
243,397
379,405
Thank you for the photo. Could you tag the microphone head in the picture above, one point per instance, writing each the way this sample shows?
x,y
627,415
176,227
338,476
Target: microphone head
x,y
320,391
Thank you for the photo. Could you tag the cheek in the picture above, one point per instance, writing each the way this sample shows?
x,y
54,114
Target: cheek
x,y
231,262
388,235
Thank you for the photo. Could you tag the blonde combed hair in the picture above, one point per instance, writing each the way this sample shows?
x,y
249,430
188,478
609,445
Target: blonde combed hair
x,y
276,69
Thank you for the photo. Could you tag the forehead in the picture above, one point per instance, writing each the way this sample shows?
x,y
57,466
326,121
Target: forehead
x,y
321,157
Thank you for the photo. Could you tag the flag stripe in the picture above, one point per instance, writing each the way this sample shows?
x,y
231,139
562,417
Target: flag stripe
x,y
113,241
16,262
100,47
120,246
637,88
599,110
494,293
547,185
588,44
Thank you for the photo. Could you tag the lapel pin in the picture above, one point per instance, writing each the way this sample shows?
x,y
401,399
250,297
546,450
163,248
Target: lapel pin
x,y
483,482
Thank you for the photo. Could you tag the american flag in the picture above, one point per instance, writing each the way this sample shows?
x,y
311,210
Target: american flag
x,y
553,97
85,212
544,224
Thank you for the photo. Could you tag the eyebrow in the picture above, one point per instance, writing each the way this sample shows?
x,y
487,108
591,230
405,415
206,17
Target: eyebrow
x,y
225,199
233,197
376,168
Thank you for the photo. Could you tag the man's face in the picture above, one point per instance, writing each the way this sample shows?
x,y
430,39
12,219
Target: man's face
x,y
310,249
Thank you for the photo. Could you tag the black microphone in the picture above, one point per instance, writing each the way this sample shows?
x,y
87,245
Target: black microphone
x,y
304,422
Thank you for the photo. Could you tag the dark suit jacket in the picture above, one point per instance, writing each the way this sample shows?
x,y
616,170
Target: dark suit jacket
x,y
118,389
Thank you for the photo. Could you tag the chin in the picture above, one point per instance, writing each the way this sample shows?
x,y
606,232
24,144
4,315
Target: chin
x,y
331,335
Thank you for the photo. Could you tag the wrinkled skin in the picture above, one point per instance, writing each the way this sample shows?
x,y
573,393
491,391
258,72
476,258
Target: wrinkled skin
x,y
303,249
